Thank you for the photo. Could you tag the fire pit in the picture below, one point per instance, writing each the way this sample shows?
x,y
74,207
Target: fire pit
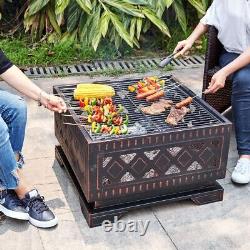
x,y
152,164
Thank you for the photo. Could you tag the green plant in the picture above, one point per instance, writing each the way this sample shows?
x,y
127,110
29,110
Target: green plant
x,y
90,21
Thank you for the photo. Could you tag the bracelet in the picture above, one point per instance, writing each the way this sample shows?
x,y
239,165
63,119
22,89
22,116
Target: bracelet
x,y
39,100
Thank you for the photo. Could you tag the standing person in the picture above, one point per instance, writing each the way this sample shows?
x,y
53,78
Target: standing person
x,y
231,18
17,199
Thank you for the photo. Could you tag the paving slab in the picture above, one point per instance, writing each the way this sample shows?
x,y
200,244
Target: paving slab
x,y
180,225
223,225
18,235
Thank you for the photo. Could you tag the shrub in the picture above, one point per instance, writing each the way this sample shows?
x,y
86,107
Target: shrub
x,y
90,21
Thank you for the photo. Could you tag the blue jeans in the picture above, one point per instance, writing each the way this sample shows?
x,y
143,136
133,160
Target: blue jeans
x,y
13,116
240,102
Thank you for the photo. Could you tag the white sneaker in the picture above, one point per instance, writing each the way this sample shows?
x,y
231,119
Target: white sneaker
x,y
241,173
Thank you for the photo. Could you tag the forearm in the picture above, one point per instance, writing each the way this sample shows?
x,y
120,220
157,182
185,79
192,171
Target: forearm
x,y
18,80
238,63
198,32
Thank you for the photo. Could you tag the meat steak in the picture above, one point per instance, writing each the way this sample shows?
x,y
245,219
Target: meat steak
x,y
176,115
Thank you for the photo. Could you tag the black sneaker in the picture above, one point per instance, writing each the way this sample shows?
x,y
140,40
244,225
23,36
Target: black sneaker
x,y
11,205
39,213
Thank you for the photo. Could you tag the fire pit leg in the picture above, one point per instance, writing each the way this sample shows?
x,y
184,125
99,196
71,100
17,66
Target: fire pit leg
x,y
95,217
208,197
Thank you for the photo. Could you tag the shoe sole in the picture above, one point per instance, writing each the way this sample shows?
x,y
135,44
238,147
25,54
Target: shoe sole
x,y
13,214
239,182
43,224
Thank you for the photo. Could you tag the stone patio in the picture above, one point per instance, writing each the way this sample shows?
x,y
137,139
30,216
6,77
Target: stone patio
x,y
181,225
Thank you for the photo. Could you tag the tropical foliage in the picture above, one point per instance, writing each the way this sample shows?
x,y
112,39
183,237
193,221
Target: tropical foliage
x,y
90,21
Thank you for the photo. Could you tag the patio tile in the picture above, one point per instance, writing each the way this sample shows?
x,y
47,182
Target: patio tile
x,y
64,237
98,239
223,225
19,235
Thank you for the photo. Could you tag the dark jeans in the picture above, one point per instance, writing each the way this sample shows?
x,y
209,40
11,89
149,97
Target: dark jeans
x,y
240,102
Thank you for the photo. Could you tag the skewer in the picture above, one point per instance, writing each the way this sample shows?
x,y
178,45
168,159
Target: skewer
x,y
73,108
80,116
198,95
75,124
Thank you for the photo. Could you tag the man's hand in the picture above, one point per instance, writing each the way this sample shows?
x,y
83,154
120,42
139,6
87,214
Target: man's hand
x,y
53,103
217,82
183,47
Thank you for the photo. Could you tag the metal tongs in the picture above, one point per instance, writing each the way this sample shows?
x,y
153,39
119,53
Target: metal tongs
x,y
168,60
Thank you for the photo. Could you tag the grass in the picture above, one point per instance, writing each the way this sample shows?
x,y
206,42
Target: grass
x,y
139,69
24,53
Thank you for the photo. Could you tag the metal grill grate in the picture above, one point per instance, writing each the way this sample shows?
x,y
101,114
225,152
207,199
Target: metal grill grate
x,y
200,115
99,66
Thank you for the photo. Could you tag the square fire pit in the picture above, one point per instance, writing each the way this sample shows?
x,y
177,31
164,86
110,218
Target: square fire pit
x,y
154,163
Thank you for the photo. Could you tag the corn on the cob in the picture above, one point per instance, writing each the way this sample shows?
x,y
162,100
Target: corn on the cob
x,y
93,91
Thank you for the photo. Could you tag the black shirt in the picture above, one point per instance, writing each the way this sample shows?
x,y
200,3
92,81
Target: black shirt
x,y
5,63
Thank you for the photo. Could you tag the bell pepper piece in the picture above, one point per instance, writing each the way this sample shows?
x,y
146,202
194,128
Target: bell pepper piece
x,y
106,110
120,108
109,120
93,126
117,130
112,132
86,101
124,129
93,102
125,122
162,83
98,128
81,103
131,88
88,109
89,118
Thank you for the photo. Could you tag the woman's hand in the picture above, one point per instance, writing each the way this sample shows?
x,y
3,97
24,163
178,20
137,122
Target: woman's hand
x,y
53,103
217,82
183,47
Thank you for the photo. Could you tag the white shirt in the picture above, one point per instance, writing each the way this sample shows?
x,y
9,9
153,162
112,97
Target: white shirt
x,y
232,19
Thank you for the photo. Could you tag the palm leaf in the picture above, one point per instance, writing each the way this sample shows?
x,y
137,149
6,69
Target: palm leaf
x,y
198,5
125,7
120,29
156,20
85,5
61,5
180,14
35,6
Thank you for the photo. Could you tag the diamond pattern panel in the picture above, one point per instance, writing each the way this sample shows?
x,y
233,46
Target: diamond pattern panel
x,y
206,155
162,162
159,162
139,166
185,159
115,169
